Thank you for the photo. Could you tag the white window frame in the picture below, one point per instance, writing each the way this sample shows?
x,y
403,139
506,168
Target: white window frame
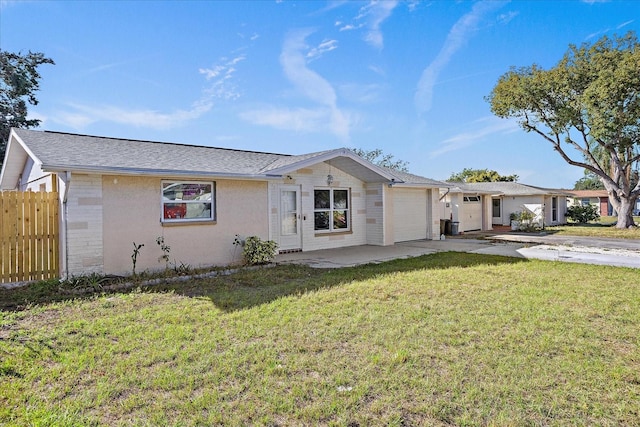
x,y
164,202
331,209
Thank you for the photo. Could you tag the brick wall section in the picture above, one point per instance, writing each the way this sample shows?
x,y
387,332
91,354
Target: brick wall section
x,y
375,214
84,225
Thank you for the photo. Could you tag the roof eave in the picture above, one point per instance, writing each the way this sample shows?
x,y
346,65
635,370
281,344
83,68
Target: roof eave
x,y
415,185
157,172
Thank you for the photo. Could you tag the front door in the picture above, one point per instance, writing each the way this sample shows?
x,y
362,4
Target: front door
x,y
290,237
496,212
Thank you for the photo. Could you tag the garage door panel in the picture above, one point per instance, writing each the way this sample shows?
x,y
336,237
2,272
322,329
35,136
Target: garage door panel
x,y
472,214
410,214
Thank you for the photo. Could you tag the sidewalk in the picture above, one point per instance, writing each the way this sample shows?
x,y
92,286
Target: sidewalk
x,y
616,252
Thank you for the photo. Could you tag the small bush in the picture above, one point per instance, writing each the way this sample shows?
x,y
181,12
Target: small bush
x,y
583,214
256,250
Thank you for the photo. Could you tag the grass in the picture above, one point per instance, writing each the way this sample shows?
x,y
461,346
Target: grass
x,y
444,339
604,228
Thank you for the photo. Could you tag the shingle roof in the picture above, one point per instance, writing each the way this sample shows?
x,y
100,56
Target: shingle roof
x,y
65,151
507,188
588,193
59,151
415,179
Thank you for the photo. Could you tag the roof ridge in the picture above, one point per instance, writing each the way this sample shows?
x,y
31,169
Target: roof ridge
x,y
159,142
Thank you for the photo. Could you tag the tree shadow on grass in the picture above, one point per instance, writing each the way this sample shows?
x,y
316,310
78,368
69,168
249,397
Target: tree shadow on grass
x,y
247,289
250,287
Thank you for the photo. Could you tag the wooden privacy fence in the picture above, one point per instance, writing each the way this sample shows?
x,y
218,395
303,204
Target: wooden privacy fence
x,y
29,234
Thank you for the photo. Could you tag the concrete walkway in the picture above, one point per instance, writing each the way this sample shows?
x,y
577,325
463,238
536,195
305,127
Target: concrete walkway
x,y
616,252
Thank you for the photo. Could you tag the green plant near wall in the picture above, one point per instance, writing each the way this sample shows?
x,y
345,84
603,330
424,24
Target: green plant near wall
x,y
134,255
255,250
166,249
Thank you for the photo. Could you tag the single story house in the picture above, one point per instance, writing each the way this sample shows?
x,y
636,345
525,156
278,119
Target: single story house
x,y
466,205
548,206
597,198
117,193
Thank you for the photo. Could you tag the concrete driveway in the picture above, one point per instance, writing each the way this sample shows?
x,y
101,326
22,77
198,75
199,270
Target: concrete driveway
x,y
616,252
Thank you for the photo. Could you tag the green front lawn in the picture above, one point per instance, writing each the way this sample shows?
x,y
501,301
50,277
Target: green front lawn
x,y
601,229
444,339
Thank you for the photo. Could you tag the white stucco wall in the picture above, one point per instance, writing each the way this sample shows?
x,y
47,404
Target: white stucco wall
x,y
132,213
307,180
512,204
84,225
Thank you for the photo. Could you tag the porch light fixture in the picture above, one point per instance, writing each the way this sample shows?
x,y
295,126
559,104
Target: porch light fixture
x,y
329,179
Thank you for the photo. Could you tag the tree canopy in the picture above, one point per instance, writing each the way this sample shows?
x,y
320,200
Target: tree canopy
x,y
588,107
19,82
379,158
589,181
481,175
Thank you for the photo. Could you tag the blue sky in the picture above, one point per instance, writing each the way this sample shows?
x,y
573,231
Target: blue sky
x,y
294,77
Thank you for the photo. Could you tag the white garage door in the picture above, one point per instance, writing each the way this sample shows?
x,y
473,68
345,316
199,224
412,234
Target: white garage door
x,y
409,214
472,219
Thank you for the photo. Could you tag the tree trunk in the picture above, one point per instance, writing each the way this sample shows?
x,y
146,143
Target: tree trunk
x,y
624,207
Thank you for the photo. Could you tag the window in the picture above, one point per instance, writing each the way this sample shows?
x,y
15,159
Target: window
x,y
471,198
554,209
188,201
331,210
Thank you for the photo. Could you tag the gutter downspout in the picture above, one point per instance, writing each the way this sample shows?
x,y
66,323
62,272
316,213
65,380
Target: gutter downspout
x,y
445,194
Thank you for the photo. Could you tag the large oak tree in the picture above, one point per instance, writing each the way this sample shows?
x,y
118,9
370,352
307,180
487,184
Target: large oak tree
x,y
19,82
481,175
588,103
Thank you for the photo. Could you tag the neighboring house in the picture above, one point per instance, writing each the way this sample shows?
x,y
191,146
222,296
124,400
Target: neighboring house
x,y
548,206
597,198
466,205
114,192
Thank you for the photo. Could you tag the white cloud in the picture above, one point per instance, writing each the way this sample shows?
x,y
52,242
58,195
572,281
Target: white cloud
x,y
325,116
361,93
349,27
505,18
299,119
371,17
321,49
378,12
84,115
311,85
606,30
461,31
221,75
489,126
624,24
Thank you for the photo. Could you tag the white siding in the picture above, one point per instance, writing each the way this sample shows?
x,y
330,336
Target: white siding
x,y
84,225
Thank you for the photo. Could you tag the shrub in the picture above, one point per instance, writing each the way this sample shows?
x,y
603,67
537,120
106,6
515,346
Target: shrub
x,y
256,250
583,214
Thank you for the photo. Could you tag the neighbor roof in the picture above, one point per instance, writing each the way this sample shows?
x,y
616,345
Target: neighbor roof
x,y
58,152
508,189
588,193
